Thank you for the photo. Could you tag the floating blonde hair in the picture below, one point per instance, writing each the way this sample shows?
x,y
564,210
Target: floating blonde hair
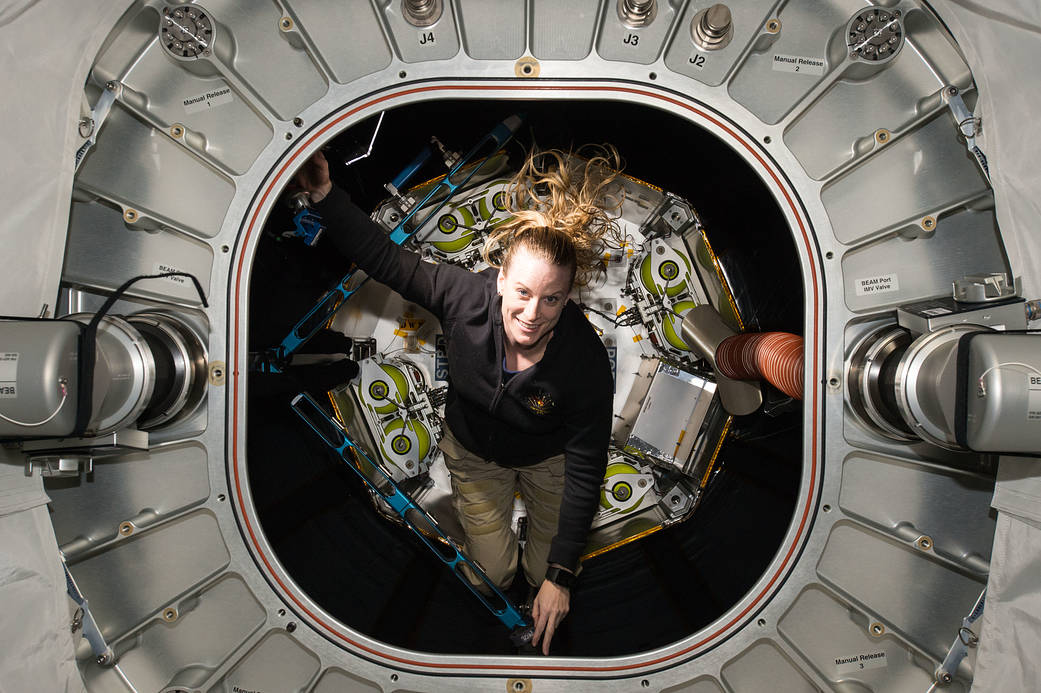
x,y
562,208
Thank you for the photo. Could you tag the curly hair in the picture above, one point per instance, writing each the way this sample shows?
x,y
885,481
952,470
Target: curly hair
x,y
563,207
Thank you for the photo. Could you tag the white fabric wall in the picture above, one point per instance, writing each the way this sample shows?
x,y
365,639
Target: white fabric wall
x,y
1001,40
46,49
36,643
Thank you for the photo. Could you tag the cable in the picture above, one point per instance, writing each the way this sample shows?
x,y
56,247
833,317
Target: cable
x,y
983,391
605,316
64,396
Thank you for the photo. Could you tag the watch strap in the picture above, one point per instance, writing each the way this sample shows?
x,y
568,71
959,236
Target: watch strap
x,y
559,576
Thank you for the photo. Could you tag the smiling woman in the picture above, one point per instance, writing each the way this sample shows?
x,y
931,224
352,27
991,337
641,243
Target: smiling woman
x,y
553,241
529,381
533,292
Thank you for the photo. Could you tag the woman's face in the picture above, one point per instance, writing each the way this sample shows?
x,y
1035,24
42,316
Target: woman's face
x,y
533,294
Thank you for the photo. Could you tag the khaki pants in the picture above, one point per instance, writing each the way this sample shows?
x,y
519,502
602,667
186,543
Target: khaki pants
x,y
483,493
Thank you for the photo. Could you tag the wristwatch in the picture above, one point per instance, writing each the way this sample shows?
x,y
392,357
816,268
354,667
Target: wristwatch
x,y
559,576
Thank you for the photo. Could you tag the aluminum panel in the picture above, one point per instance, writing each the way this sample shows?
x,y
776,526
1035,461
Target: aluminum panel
x,y
414,44
617,41
347,35
279,70
102,253
184,651
908,499
126,44
278,663
917,264
699,686
765,85
846,654
137,167
492,29
562,31
104,680
227,129
934,47
840,125
144,488
337,680
924,173
133,579
763,667
712,67
921,598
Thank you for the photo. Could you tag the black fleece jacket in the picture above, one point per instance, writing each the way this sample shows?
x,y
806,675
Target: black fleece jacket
x,y
562,404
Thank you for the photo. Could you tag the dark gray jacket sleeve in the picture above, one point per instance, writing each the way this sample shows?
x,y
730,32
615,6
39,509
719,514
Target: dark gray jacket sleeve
x,y
585,462
366,244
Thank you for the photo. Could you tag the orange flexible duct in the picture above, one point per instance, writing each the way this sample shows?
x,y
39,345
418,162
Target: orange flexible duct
x,y
775,356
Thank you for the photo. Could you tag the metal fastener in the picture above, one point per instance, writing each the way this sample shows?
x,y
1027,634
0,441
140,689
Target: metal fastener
x,y
527,67
217,373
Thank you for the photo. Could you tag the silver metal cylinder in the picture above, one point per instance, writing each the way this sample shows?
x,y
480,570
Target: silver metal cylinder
x,y
421,12
869,381
712,28
180,369
124,375
637,13
925,384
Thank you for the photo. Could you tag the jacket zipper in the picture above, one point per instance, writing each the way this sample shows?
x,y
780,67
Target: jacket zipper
x,y
498,395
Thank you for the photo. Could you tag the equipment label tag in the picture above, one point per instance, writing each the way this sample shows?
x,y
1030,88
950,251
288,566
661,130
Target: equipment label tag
x,y
1034,397
209,99
877,285
859,662
440,358
161,268
8,375
798,63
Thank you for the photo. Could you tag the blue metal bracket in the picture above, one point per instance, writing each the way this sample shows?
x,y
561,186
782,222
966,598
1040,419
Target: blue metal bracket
x,y
307,224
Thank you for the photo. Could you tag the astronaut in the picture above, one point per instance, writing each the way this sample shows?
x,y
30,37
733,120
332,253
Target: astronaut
x,y
529,404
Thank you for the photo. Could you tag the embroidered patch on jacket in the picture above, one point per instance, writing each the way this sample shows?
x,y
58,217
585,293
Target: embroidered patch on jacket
x,y
540,402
